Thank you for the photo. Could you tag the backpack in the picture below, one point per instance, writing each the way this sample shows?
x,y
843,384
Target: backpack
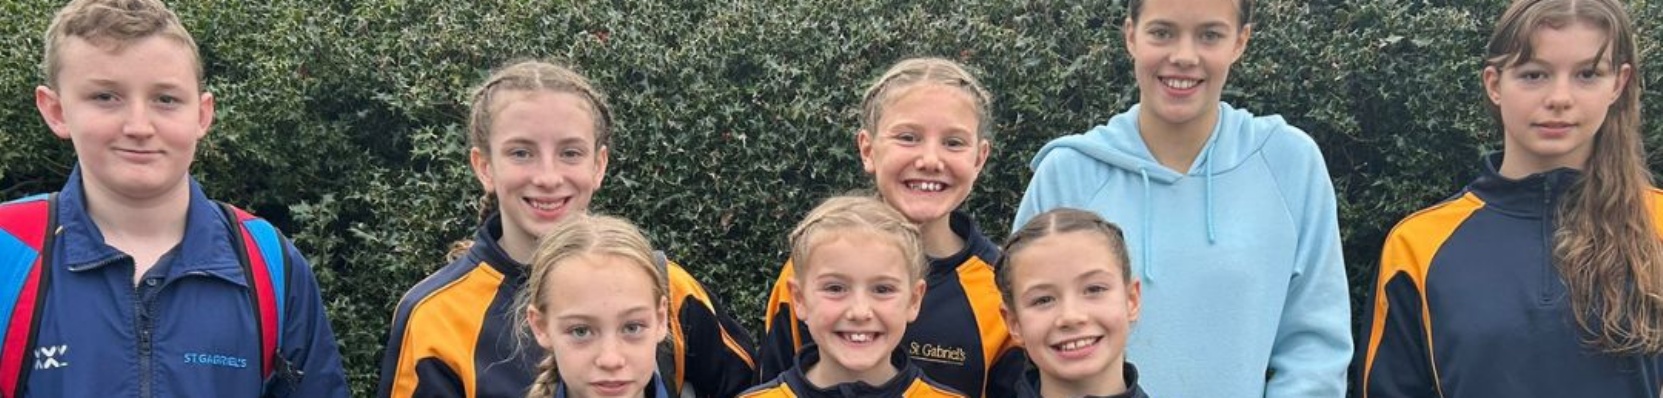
x,y
28,226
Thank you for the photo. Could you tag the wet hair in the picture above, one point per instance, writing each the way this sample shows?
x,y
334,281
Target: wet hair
x,y
914,72
526,77
857,214
113,25
1244,11
1054,222
581,235
1606,245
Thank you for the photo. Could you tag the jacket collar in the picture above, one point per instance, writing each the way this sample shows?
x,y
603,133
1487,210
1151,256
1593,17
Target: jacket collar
x,y
976,244
1535,195
797,378
1029,387
485,246
203,250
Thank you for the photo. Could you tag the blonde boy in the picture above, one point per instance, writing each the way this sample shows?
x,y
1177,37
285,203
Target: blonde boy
x,y
148,291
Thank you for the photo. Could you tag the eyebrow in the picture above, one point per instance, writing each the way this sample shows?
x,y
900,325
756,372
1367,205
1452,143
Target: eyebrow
x,y
588,317
1086,275
953,129
163,86
1208,24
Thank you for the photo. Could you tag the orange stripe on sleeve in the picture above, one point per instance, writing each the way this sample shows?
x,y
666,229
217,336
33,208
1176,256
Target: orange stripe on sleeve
x,y
781,296
446,325
1409,250
976,277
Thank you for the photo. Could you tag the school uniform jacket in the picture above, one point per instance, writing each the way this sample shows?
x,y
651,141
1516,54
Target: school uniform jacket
x,y
187,329
959,337
1469,303
453,334
1029,388
909,382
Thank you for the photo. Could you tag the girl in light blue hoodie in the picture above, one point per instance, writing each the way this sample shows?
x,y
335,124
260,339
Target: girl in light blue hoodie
x,y
1231,217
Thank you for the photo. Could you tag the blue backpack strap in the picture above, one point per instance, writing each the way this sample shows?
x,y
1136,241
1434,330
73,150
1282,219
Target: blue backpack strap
x,y
265,263
27,229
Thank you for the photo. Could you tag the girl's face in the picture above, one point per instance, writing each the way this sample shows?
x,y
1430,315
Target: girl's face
x,y
1181,52
926,153
1072,310
1553,104
856,295
543,162
602,323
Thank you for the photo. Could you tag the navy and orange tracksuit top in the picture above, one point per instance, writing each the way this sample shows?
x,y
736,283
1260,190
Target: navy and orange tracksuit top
x,y
909,382
1469,303
959,337
1030,385
453,334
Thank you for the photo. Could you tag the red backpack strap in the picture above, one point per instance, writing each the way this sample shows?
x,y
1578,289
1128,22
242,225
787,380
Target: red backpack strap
x,y
262,255
26,232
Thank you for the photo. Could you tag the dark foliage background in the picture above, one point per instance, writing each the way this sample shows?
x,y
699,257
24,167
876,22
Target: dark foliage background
x,y
342,121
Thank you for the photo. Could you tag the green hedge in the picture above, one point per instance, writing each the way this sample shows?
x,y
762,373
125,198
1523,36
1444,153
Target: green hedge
x,y
342,120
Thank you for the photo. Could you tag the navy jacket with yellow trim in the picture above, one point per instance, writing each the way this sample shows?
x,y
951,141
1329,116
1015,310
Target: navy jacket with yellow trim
x,y
909,382
1030,385
1469,303
453,334
959,337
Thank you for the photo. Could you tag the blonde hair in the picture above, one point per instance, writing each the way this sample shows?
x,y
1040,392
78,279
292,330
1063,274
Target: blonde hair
x,y
863,214
1607,246
113,24
526,76
1053,222
918,71
580,235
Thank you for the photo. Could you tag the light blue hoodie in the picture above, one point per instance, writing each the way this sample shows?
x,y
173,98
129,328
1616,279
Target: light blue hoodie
x,y
1239,257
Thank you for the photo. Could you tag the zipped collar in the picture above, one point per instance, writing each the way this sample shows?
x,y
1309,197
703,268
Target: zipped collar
x,y
204,249
486,249
797,378
1527,197
1029,387
975,244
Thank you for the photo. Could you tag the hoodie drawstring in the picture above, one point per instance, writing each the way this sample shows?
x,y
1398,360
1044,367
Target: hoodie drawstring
x,y
1212,237
1144,253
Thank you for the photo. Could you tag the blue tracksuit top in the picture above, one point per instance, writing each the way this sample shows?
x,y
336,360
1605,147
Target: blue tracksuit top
x,y
186,330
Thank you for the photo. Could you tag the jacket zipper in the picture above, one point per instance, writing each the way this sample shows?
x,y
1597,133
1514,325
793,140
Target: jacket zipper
x,y
1550,264
146,324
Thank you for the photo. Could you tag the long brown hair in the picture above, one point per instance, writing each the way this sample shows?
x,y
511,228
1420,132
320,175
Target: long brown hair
x,y
1607,246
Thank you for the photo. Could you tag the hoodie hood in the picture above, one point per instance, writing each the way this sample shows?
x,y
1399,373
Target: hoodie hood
x,y
1237,137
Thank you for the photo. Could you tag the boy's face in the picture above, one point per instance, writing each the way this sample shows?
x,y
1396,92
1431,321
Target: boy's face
x,y
134,115
857,296
603,331
926,153
543,163
1072,309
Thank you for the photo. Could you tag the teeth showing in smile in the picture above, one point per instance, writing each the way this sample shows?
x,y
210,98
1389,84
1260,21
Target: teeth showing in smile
x,y
927,186
1180,83
859,337
1077,344
544,205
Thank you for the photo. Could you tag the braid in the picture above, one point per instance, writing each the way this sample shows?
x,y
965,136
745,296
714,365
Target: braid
x,y
487,205
547,379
